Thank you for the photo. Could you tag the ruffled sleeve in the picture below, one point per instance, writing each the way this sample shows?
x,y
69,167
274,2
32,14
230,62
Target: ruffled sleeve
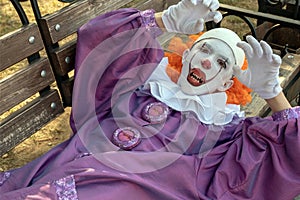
x,y
292,113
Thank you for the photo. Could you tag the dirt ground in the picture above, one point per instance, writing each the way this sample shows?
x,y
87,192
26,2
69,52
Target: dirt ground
x,y
58,130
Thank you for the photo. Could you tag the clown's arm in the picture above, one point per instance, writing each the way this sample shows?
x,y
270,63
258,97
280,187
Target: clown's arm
x,y
278,103
262,74
158,19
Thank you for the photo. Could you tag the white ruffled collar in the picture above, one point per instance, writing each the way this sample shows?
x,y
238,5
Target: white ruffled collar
x,y
209,109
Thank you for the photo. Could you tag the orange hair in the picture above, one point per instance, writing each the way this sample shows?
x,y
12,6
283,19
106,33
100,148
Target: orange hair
x,y
238,94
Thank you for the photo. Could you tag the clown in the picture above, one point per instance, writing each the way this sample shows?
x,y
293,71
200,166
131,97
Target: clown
x,y
140,135
206,74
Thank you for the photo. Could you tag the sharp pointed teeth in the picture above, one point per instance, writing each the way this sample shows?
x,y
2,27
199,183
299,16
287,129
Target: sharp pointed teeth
x,y
195,77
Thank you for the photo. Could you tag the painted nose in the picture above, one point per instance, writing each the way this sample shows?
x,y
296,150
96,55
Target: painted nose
x,y
206,64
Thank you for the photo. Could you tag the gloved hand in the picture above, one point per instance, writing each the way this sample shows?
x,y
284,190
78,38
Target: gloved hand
x,y
189,16
262,75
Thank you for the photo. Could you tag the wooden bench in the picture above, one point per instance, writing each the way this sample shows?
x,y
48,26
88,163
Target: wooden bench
x,y
58,31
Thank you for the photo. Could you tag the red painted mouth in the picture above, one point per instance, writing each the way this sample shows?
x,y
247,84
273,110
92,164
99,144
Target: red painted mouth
x,y
196,77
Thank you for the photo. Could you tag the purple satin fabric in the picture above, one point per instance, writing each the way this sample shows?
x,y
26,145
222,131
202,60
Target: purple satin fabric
x,y
182,158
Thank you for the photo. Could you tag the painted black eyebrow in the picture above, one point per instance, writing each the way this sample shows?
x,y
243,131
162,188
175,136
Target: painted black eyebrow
x,y
203,45
235,61
226,59
208,46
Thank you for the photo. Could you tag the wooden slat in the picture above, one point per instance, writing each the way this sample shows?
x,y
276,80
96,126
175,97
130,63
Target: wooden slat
x,y
293,90
66,91
24,83
157,5
171,2
260,15
28,120
72,17
68,50
64,58
289,70
15,46
68,19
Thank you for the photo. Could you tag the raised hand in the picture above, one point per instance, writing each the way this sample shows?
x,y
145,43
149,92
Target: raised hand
x,y
262,75
189,16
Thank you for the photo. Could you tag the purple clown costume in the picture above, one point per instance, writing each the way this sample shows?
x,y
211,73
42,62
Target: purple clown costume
x,y
179,158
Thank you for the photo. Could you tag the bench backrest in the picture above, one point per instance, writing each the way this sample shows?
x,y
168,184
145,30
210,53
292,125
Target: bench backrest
x,y
29,81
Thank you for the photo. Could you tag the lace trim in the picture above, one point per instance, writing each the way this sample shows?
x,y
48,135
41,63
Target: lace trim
x,y
149,21
65,188
291,113
4,177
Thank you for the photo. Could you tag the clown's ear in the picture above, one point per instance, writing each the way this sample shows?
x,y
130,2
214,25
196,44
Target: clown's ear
x,y
226,86
185,55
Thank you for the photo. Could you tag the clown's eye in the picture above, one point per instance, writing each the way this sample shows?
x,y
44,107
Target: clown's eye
x,y
204,49
222,63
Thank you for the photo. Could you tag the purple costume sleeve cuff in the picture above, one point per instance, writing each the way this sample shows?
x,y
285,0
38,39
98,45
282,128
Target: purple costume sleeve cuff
x,y
150,23
291,113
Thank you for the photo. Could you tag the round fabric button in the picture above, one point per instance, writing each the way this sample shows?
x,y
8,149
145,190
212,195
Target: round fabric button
x,y
156,112
126,138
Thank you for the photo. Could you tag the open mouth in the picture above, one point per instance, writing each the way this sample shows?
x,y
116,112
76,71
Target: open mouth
x,y
196,77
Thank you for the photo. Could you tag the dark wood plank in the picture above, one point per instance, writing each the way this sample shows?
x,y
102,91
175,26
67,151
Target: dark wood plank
x,y
157,5
15,46
291,71
260,15
28,120
70,18
64,58
57,25
66,91
25,83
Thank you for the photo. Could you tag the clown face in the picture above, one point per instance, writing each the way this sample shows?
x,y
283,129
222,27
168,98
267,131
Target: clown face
x,y
207,67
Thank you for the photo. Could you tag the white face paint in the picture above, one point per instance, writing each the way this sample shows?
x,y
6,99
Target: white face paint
x,y
207,68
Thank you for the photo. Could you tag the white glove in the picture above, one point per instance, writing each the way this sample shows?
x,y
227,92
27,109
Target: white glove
x,y
189,16
262,75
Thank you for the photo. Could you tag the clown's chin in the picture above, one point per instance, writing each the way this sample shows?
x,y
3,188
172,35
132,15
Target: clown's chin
x,y
188,88
196,77
192,81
